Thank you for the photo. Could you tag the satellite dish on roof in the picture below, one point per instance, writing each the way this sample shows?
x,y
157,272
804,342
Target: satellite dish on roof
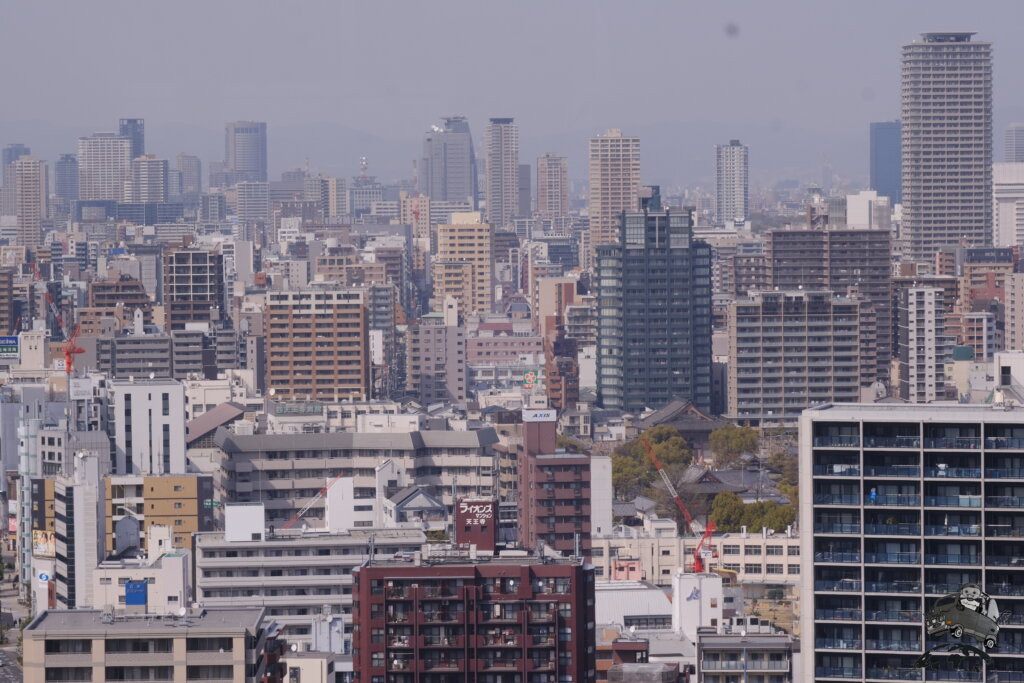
x,y
272,391
152,375
182,611
295,647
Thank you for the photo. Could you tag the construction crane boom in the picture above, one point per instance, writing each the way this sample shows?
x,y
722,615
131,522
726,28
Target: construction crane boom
x,y
698,560
694,526
312,501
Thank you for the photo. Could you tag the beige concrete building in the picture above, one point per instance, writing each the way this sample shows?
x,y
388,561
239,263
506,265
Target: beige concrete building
x,y
791,350
502,171
182,503
224,644
614,185
318,343
552,186
464,264
31,193
655,551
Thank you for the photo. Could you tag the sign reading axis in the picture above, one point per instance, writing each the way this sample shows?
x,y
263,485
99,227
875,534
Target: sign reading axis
x,y
210,503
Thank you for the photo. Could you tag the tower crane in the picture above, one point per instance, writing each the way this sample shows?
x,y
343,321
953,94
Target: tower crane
x,y
312,501
692,525
698,559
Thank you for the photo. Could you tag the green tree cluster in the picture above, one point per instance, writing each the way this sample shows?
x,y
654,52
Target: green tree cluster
x,y
730,442
729,513
634,474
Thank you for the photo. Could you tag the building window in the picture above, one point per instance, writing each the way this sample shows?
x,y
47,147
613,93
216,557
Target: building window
x,y
773,569
773,550
794,550
793,569
752,550
752,568
730,550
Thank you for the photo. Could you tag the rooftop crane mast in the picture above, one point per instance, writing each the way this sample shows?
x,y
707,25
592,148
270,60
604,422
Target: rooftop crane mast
x,y
698,559
693,526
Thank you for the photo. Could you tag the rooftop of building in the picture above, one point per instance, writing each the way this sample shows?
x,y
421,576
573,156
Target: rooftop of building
x,y
361,536
464,559
925,412
211,619
737,640
235,443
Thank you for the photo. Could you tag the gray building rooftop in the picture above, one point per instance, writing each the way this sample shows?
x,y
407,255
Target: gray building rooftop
x,y
93,620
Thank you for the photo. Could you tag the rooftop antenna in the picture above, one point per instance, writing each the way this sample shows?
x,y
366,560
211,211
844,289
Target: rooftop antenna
x,y
364,165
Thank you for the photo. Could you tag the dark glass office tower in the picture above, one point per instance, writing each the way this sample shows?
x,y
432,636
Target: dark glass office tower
x,y
654,312
886,160
134,130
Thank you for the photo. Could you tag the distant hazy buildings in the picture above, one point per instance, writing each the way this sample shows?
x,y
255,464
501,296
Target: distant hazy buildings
x,y
1008,204
245,151
946,142
65,177
135,131
886,160
191,169
732,182
502,171
447,171
30,192
1014,152
552,186
614,165
149,179
253,201
104,161
654,317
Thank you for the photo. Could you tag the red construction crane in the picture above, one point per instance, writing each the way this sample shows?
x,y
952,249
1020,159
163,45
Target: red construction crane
x,y
692,525
698,560
70,350
312,501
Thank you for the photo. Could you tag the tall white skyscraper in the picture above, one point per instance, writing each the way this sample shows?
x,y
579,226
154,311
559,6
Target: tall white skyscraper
x,y
732,182
148,179
552,186
30,193
922,345
614,161
1014,143
104,162
502,171
947,142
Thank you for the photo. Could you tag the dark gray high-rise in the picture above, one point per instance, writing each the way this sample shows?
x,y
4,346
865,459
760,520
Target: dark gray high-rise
x,y
654,312
886,160
134,130
245,151
65,177
447,171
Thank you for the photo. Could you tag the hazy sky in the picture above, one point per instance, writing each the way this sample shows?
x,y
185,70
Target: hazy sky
x,y
798,81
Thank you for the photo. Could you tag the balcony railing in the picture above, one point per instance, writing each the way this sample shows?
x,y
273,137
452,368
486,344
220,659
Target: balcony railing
x,y
952,675
837,643
953,530
1009,443
892,442
892,558
1005,676
1005,560
894,674
894,645
892,615
836,499
893,529
957,442
837,441
1004,501
953,501
844,585
841,614
1005,589
942,588
829,556
837,470
892,471
945,558
837,672
1004,472
953,472
1004,530
901,500
893,587
836,528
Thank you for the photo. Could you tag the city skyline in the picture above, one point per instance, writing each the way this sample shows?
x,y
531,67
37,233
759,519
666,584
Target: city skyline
x,y
852,86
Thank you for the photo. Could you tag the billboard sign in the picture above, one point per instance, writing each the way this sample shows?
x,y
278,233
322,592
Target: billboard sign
x,y
81,389
44,543
136,593
534,415
9,348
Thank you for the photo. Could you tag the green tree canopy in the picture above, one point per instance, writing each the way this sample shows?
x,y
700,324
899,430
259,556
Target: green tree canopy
x,y
729,513
634,474
730,442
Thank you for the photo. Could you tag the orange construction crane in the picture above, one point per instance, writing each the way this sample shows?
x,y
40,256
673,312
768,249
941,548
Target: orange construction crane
x,y
698,559
312,501
70,350
692,525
